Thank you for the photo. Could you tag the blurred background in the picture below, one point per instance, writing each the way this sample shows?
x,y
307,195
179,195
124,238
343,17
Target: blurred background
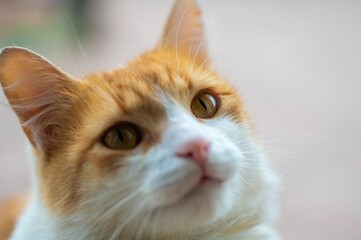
x,y
296,63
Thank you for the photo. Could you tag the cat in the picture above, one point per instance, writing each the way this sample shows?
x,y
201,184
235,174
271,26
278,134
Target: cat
x,y
163,148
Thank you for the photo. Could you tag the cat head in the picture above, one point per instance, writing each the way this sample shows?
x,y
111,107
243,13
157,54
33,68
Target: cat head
x,y
162,145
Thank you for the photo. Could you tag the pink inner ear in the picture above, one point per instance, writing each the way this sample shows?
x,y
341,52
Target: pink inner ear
x,y
36,90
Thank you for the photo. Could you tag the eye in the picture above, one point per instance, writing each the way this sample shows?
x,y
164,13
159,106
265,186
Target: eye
x,y
124,136
204,105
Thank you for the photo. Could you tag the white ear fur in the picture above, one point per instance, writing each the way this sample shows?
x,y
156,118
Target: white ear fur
x,y
184,30
36,90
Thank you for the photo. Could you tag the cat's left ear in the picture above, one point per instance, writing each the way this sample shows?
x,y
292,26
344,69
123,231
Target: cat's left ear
x,y
38,92
184,31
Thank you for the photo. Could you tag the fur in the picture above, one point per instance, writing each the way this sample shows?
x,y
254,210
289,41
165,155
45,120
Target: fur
x,y
83,190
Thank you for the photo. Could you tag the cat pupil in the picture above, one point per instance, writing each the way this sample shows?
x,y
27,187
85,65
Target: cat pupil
x,y
203,104
120,136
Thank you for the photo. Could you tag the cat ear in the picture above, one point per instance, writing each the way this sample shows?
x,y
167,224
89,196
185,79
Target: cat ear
x,y
37,91
184,30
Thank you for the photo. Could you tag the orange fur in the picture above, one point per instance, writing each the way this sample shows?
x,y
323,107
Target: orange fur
x,y
65,118
135,82
101,100
9,212
132,98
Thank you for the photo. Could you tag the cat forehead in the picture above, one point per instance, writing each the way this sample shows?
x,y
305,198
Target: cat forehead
x,y
161,73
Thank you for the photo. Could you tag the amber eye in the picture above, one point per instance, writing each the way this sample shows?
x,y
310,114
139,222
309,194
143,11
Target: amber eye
x,y
124,136
204,105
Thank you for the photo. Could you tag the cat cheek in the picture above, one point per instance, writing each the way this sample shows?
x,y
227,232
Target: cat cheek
x,y
224,161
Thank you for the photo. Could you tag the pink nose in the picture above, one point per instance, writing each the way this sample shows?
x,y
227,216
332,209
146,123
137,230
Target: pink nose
x,y
196,150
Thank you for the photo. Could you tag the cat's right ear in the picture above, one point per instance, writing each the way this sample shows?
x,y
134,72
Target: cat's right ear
x,y
37,91
184,31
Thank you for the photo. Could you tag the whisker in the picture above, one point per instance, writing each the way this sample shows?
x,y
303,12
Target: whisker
x,y
198,48
73,29
296,154
326,147
177,35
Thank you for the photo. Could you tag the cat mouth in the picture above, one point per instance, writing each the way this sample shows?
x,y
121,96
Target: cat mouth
x,y
200,190
205,179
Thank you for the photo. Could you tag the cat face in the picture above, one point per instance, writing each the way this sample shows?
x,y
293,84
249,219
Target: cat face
x,y
162,145
184,170
159,175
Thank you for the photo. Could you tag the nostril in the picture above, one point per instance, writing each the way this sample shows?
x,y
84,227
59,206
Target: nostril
x,y
196,150
189,155
185,154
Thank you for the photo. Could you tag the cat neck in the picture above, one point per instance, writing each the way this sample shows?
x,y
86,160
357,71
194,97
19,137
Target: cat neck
x,y
37,223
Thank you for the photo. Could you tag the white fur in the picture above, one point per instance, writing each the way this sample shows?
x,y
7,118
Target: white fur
x,y
160,195
170,185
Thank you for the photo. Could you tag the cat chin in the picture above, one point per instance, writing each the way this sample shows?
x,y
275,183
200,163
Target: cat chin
x,y
205,204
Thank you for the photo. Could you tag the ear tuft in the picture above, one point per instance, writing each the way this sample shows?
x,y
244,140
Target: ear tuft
x,y
184,30
36,90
